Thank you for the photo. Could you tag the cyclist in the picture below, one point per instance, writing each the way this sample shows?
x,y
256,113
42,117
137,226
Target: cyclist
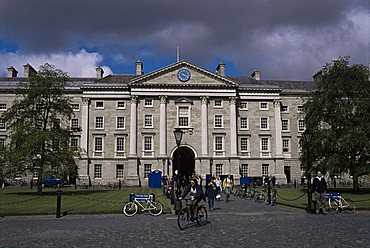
x,y
196,195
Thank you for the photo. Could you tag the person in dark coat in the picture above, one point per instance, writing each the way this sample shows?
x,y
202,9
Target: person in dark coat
x,y
196,195
319,187
211,193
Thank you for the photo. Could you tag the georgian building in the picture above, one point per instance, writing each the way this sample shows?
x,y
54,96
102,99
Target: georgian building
x,y
242,126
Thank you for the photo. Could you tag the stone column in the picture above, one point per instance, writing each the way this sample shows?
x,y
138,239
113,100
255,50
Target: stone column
x,y
85,126
162,127
278,127
133,127
204,126
233,133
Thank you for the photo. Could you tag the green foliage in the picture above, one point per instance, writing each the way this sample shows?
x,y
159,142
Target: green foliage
x,y
39,127
338,114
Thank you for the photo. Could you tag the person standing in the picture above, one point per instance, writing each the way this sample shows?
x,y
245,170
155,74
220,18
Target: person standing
x,y
218,187
211,193
319,186
227,184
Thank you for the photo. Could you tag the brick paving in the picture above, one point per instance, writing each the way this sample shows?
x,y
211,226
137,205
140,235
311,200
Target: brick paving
x,y
237,223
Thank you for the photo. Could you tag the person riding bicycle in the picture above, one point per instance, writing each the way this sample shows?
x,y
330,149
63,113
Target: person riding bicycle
x,y
196,195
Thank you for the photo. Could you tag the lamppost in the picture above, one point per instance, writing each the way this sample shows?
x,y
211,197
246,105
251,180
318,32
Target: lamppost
x,y
178,137
306,140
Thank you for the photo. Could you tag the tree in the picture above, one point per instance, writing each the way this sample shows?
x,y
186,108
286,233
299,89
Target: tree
x,y
338,114
39,131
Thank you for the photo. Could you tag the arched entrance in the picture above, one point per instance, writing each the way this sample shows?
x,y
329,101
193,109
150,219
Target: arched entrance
x,y
184,162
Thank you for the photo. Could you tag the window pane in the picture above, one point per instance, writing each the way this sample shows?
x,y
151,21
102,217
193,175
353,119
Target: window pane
x,y
119,171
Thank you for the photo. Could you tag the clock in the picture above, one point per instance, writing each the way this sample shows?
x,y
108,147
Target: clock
x,y
183,75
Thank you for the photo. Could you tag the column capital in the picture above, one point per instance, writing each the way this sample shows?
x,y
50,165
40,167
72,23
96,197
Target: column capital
x,y
204,99
277,103
232,100
134,99
163,99
85,100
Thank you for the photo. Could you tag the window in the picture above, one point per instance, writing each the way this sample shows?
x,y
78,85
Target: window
x,y
57,123
99,105
183,116
119,171
98,146
218,121
244,145
284,109
300,109
2,124
2,142
148,121
285,145
147,170
148,146
244,170
121,104
285,125
98,171
2,106
244,105
264,124
148,103
99,122
244,123
218,103
219,146
265,170
301,125
265,144
35,174
218,170
74,144
75,106
74,123
120,122
264,106
120,146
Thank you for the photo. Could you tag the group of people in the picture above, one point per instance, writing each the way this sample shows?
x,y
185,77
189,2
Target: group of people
x,y
212,192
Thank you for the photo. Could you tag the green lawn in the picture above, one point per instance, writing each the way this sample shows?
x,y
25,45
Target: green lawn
x,y
298,198
18,201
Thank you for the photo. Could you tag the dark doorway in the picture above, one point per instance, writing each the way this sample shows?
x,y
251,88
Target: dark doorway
x,y
184,163
287,173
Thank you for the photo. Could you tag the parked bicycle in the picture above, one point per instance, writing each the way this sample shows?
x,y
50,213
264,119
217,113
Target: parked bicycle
x,y
144,202
337,204
184,218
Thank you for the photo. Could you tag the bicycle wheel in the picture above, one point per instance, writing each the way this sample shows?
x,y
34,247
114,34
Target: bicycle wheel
x,y
157,210
202,216
183,219
333,205
347,208
260,198
130,209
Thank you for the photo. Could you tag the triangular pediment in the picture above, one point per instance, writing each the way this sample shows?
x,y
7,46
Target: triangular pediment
x,y
184,100
168,77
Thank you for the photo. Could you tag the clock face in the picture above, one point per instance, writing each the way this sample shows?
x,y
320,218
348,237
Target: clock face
x,y
183,75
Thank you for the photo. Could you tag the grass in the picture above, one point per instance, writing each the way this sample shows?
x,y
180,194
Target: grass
x,y
297,197
20,201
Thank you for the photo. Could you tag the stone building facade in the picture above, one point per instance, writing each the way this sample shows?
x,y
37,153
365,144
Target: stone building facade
x,y
242,126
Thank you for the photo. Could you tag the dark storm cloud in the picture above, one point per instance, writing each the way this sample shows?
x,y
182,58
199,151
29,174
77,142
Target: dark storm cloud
x,y
270,35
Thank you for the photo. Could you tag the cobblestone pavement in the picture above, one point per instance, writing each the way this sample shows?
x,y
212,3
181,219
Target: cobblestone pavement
x,y
237,223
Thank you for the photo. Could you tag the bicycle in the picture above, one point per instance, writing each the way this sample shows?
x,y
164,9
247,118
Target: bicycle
x,y
131,208
260,196
184,217
337,204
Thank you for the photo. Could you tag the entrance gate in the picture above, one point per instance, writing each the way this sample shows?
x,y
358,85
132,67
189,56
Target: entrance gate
x,y
184,162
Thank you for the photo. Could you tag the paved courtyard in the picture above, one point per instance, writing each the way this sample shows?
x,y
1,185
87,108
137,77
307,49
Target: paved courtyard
x,y
237,223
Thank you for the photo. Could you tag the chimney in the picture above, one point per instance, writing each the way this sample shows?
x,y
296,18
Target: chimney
x,y
28,70
256,74
139,68
12,72
220,69
99,72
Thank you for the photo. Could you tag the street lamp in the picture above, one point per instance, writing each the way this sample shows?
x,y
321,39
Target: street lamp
x,y
178,137
306,140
